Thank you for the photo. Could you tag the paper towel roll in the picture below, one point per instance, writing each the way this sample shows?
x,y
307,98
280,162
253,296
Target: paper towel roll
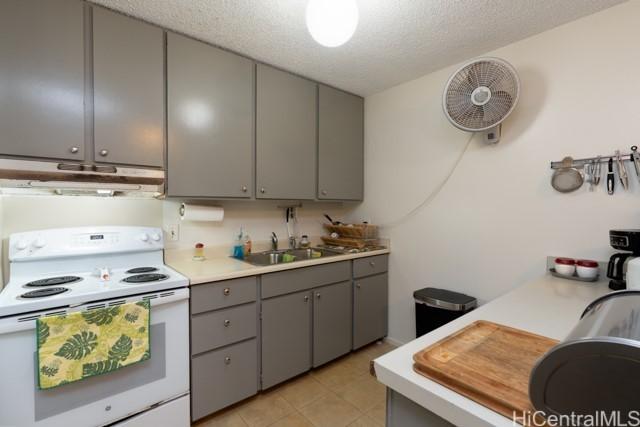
x,y
201,213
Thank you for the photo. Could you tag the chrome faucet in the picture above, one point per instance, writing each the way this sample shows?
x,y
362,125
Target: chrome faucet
x,y
274,241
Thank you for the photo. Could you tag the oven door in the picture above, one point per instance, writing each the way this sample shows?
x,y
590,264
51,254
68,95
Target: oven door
x,y
104,399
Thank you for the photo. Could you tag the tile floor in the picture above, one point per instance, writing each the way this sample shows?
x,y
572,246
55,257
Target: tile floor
x,y
339,394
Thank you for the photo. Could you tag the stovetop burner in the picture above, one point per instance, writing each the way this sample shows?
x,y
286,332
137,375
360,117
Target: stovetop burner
x,y
47,292
53,281
139,270
143,278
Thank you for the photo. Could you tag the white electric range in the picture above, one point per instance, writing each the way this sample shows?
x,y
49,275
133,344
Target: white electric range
x,y
59,271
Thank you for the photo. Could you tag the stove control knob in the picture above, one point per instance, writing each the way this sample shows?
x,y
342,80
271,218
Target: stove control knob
x,y
155,237
39,243
21,245
144,237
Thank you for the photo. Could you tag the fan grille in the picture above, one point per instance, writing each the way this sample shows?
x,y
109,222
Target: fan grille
x,y
476,113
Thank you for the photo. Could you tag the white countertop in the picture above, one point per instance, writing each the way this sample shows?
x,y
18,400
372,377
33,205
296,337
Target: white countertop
x,y
220,267
548,306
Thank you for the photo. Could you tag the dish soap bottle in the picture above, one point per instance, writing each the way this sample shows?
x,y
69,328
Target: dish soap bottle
x,y
238,246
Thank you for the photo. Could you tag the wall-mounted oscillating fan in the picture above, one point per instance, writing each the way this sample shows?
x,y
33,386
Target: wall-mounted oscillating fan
x,y
480,95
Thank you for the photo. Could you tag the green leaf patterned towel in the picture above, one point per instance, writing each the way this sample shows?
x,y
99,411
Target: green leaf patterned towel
x,y
80,345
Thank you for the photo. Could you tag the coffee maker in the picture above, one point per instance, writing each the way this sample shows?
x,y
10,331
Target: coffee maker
x,y
625,240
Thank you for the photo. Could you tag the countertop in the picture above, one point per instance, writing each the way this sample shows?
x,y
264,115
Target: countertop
x,y
220,267
548,306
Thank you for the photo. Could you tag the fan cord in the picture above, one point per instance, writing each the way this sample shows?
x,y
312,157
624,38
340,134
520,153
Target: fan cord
x,y
429,198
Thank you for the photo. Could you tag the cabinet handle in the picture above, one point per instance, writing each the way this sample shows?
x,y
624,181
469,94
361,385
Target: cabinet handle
x,y
324,192
74,150
227,323
318,295
372,264
104,153
227,360
263,190
226,291
306,298
244,188
358,285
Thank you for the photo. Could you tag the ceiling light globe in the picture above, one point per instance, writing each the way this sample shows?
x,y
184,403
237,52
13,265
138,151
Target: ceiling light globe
x,y
332,22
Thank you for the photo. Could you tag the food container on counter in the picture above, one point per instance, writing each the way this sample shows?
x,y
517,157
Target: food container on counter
x,y
587,269
565,266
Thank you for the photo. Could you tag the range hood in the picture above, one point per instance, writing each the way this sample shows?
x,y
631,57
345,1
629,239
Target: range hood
x,y
37,177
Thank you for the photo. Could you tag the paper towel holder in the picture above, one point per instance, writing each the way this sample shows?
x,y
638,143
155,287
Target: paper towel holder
x,y
183,211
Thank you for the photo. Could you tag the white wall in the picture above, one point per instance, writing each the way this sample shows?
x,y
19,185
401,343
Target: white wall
x,y
497,219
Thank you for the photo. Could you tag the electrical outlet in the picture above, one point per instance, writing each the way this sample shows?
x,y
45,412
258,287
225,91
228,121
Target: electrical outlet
x,y
174,232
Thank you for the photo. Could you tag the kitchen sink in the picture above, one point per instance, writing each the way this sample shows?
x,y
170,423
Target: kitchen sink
x,y
287,256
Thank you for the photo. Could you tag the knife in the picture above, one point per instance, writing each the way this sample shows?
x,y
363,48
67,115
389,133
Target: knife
x,y
622,171
597,171
636,160
611,182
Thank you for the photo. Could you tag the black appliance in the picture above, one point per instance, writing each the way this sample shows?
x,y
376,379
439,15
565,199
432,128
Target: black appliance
x,y
626,240
437,307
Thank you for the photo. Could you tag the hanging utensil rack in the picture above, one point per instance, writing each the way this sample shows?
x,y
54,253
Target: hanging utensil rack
x,y
580,163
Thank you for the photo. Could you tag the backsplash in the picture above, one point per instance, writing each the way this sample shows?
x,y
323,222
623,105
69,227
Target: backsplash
x,y
24,213
257,218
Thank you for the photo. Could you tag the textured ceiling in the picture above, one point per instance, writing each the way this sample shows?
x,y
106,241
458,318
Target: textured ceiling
x,y
396,40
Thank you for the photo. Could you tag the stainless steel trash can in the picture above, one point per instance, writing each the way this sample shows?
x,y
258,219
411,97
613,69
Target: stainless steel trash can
x,y
436,307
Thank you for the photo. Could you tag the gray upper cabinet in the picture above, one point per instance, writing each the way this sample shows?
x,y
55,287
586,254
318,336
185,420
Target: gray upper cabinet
x,y
42,78
286,337
285,135
128,62
340,145
332,320
210,121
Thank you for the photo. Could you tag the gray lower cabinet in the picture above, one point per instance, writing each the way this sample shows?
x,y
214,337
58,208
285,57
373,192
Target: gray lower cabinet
x,y
286,337
370,309
42,72
210,121
222,377
128,73
285,135
224,344
332,320
340,145
243,340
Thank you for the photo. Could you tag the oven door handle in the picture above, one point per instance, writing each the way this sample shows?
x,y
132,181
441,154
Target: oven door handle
x,y
26,322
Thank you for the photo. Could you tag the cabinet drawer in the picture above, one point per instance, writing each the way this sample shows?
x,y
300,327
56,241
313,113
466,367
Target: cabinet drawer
x,y
223,294
223,377
370,265
218,328
285,282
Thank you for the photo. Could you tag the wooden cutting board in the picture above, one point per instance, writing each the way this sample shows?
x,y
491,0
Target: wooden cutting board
x,y
486,362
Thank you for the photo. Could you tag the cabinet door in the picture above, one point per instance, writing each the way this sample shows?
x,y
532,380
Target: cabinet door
x,y
340,145
332,320
128,72
286,337
223,377
285,135
210,121
370,302
42,78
